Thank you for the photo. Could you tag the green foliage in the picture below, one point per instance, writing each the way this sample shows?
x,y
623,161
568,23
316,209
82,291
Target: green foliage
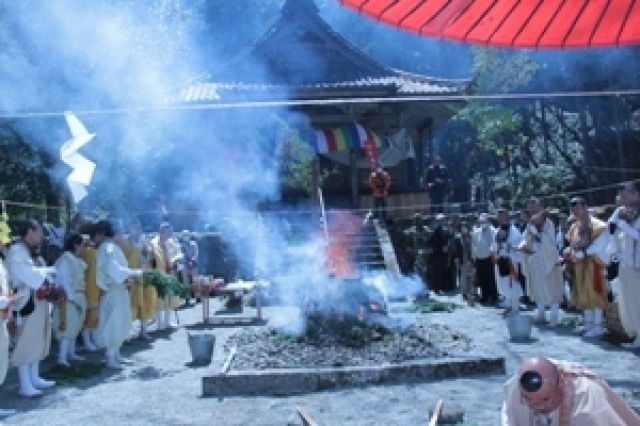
x,y
495,72
431,306
521,147
501,71
165,284
435,306
296,158
23,174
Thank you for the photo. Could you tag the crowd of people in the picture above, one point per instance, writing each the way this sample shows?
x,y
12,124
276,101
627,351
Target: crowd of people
x,y
93,293
535,259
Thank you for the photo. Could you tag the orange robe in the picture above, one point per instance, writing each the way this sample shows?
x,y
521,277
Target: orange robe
x,y
92,291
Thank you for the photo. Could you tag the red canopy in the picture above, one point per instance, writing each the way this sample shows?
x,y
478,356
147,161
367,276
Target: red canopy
x,y
513,23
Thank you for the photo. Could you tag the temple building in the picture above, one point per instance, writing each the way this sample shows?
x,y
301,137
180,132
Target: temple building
x,y
302,62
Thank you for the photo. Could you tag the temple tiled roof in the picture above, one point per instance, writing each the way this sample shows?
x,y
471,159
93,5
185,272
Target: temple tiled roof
x,y
301,57
208,91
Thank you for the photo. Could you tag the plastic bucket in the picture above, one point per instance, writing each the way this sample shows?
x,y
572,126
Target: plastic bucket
x,y
201,346
519,327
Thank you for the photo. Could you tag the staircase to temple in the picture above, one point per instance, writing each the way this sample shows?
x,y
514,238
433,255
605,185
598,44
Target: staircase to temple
x,y
367,251
369,247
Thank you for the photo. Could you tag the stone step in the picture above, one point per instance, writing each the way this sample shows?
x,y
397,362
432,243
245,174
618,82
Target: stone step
x,y
285,382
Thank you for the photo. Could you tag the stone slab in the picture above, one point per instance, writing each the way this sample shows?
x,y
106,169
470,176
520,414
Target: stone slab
x,y
283,382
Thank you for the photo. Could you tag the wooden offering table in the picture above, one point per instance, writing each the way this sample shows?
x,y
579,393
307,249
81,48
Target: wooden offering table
x,y
234,293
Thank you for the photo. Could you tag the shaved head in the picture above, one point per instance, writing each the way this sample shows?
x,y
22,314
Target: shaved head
x,y
540,388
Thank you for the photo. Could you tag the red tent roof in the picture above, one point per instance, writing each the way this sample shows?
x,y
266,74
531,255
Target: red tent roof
x,y
519,23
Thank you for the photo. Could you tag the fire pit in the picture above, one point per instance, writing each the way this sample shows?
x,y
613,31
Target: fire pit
x,y
344,342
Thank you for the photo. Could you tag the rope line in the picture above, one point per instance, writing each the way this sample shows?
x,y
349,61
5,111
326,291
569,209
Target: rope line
x,y
419,206
274,103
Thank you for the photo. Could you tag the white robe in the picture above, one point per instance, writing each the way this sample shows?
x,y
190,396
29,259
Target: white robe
x,y
481,241
541,268
115,306
34,335
70,275
629,278
4,334
591,402
508,286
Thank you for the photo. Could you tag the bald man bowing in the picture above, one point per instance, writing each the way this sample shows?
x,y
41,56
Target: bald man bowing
x,y
547,392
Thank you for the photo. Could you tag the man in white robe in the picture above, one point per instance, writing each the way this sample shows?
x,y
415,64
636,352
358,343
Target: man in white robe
x,y
112,274
31,281
541,263
626,226
507,257
546,392
68,314
6,301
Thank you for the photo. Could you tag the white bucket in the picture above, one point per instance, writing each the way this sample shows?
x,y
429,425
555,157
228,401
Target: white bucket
x,y
519,327
201,346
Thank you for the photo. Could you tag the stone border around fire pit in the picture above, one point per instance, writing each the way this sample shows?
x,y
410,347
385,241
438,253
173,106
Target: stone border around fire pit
x,y
284,382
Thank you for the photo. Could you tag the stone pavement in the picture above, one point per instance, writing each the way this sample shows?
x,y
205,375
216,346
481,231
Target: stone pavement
x,y
162,388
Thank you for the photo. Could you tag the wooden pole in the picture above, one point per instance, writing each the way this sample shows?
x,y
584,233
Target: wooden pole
x,y
323,214
307,420
227,363
436,413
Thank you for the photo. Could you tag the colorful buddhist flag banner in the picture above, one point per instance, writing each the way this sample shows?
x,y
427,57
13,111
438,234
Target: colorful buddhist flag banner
x,y
348,136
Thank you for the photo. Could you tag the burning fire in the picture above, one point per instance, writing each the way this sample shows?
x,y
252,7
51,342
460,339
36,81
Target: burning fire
x,y
344,230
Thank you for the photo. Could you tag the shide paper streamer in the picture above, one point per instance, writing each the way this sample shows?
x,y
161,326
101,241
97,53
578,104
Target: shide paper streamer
x,y
82,168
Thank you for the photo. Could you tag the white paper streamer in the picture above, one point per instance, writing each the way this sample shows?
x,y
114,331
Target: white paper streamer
x,y
82,168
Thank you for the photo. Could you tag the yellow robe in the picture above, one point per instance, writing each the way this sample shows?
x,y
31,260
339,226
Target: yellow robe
x,y
589,289
143,299
92,291
173,250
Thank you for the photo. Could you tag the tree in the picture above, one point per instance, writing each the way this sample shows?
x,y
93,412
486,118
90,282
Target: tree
x,y
23,172
524,147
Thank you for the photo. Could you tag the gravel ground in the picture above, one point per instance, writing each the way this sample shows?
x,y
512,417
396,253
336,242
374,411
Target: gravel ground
x,y
161,387
357,345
